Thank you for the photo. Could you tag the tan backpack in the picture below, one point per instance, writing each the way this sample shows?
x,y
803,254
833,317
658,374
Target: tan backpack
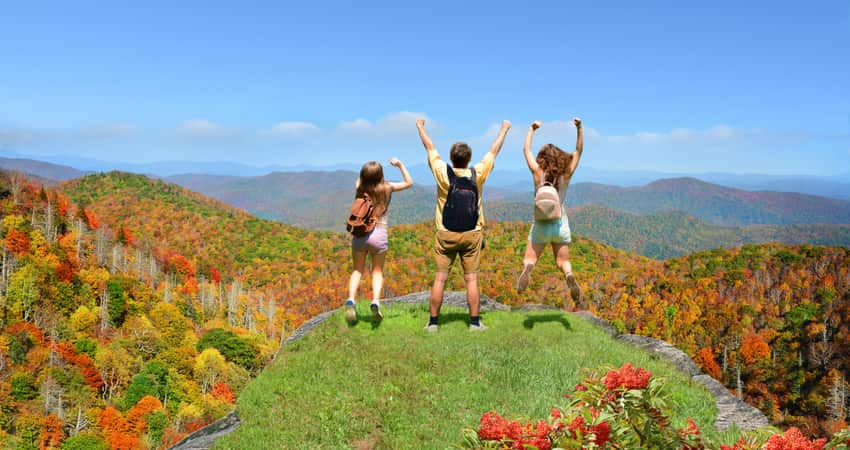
x,y
547,202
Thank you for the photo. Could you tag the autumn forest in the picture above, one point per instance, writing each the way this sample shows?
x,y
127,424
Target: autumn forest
x,y
133,311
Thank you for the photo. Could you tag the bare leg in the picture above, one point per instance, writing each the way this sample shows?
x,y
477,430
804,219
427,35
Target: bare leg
x,y
436,300
359,259
473,297
377,286
532,254
562,258
377,276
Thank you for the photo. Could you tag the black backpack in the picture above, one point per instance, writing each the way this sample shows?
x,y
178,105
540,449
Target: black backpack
x,y
461,210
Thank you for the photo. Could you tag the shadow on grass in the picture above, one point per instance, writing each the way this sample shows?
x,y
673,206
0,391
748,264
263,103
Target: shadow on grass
x,y
531,321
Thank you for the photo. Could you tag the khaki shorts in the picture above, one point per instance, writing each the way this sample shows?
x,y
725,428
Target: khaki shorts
x,y
450,244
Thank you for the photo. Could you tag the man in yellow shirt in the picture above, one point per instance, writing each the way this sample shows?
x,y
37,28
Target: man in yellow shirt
x,y
459,218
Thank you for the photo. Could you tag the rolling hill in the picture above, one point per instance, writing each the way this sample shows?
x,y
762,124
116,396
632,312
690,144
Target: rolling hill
x,y
317,200
714,204
41,169
670,234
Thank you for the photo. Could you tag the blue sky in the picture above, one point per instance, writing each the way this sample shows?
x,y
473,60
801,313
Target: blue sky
x,y
722,86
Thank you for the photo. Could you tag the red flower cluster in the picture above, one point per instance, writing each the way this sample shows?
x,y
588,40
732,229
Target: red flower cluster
x,y
601,431
496,428
691,438
793,439
627,377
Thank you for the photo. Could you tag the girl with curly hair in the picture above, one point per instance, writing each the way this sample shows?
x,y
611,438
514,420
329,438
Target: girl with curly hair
x,y
553,167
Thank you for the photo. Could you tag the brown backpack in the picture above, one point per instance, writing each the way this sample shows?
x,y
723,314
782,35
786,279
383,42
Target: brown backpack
x,y
361,221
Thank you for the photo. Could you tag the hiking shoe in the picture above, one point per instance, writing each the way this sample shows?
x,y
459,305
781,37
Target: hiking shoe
x,y
524,278
350,311
376,312
431,328
479,327
575,291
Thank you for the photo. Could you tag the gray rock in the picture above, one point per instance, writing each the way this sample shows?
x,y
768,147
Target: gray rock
x,y
731,410
535,307
204,438
677,357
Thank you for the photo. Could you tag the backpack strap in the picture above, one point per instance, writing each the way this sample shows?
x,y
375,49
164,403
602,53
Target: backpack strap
x,y
450,171
474,180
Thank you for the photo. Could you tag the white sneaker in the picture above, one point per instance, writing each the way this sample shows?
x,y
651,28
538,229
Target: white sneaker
x,y
479,327
431,328
376,312
350,311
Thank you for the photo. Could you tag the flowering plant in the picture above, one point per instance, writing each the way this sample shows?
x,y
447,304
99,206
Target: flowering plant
x,y
623,409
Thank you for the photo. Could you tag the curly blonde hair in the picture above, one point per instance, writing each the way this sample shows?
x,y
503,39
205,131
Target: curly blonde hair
x,y
554,163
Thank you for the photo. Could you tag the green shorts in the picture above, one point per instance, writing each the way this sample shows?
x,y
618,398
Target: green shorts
x,y
551,231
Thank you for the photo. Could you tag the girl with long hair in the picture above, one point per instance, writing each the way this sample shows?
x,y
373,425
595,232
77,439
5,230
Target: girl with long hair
x,y
555,167
374,244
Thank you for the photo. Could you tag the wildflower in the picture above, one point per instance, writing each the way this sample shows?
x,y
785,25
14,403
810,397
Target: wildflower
x,y
627,377
793,439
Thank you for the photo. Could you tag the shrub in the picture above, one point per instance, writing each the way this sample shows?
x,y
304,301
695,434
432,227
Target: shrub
x,y
232,347
84,442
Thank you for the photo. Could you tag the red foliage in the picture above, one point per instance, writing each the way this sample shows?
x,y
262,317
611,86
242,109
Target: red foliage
x,y
32,330
91,219
126,237
754,348
66,271
627,377
51,433
222,391
793,439
215,275
705,359
111,421
17,242
137,415
182,265
83,362
190,286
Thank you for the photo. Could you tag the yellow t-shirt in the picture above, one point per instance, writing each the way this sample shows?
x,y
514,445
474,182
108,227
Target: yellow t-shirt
x,y
438,169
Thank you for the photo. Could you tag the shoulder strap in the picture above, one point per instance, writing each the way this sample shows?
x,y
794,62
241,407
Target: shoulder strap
x,y
474,177
451,173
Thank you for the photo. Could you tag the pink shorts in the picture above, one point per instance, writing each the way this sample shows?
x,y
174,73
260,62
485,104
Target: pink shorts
x,y
374,242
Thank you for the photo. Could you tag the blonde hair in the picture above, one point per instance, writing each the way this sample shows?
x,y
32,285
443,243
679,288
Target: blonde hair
x,y
554,163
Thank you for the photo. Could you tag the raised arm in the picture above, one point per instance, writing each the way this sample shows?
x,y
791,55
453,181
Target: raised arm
x,y
407,180
579,146
500,139
529,157
426,141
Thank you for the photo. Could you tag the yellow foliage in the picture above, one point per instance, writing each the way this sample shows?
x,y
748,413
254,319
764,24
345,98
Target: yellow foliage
x,y
83,320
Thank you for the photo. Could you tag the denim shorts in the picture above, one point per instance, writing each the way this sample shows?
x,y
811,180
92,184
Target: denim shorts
x,y
551,231
374,242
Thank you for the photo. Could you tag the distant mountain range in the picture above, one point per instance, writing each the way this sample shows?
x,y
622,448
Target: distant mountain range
x,y
662,219
836,186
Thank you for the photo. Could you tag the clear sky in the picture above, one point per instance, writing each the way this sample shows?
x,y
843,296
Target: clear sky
x,y
671,86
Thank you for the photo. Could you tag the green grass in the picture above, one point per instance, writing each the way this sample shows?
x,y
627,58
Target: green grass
x,y
394,386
